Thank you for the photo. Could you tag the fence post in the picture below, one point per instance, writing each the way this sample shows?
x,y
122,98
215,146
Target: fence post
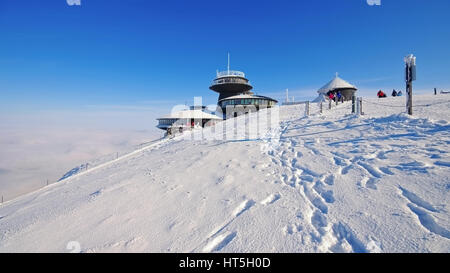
x,y
321,107
307,108
329,106
353,104
361,106
357,107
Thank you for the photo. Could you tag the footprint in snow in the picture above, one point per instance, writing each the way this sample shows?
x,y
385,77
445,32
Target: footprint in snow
x,y
244,206
220,242
270,199
291,229
329,180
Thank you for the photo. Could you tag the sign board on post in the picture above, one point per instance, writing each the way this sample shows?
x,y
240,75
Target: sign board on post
x,y
410,62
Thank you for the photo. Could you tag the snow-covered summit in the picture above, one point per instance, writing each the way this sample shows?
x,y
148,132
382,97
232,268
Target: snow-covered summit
x,y
334,182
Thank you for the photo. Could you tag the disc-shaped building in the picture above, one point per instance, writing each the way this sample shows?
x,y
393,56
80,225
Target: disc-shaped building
x,y
235,93
188,118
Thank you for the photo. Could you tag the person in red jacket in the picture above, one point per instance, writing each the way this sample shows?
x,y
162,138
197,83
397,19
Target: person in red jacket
x,y
331,96
381,94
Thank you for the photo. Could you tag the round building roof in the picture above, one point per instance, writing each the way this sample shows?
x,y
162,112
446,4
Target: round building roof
x,y
336,83
246,96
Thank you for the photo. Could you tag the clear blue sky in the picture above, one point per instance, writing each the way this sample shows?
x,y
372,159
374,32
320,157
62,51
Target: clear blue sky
x,y
132,52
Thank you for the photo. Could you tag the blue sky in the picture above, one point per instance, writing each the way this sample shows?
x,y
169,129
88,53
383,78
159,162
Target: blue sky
x,y
113,54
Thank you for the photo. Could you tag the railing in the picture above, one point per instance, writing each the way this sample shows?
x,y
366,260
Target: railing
x,y
294,102
230,73
230,80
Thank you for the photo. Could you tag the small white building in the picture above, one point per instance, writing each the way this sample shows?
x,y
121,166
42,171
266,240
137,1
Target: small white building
x,y
337,84
187,119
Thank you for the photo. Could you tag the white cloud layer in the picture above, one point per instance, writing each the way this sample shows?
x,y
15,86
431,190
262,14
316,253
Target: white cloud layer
x,y
45,145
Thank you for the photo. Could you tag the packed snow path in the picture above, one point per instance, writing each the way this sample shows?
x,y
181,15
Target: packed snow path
x,y
326,183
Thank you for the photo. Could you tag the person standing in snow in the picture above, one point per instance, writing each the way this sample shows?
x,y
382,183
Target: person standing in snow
x,y
339,96
394,93
331,96
381,94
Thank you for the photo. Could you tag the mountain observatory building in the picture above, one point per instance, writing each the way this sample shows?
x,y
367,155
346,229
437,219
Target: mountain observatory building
x,y
235,93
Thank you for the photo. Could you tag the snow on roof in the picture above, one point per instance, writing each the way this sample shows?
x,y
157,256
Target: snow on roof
x,y
247,96
320,98
336,83
190,114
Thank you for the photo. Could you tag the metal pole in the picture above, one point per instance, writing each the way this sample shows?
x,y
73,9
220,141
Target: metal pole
x,y
228,67
321,107
307,108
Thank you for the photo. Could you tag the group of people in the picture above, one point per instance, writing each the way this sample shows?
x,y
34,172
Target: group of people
x,y
179,128
381,94
396,94
332,96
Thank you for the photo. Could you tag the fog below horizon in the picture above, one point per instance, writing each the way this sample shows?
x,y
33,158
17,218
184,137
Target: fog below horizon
x,y
47,144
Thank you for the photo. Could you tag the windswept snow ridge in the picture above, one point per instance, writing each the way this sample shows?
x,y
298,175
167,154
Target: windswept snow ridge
x,y
331,182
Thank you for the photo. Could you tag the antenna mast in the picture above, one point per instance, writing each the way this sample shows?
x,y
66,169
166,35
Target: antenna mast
x,y
228,63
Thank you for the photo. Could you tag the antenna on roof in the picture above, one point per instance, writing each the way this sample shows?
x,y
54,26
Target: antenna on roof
x,y
228,62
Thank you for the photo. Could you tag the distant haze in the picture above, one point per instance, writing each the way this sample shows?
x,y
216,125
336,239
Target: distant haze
x,y
40,146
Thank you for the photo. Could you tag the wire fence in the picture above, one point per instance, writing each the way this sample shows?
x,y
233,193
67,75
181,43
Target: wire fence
x,y
403,106
362,106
